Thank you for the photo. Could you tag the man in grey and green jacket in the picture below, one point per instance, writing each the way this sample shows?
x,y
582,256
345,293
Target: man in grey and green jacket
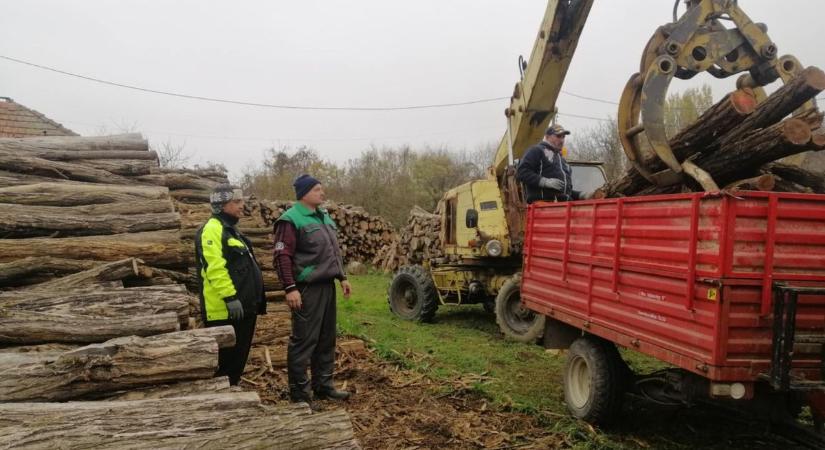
x,y
308,260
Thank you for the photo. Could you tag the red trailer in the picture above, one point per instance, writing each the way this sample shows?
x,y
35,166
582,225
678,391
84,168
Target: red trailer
x,y
729,289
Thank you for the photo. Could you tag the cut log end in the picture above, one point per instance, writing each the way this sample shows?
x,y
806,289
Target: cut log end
x,y
814,77
743,101
796,132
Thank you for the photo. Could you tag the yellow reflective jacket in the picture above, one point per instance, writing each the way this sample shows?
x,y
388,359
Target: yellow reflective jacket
x,y
226,269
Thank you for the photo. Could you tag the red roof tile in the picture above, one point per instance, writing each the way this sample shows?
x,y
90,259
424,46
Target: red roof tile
x,y
18,121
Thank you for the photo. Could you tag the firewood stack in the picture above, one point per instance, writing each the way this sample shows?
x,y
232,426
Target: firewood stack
x,y
740,142
91,311
418,241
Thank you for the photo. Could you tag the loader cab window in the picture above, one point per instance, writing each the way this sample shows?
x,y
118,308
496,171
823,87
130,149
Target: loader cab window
x,y
587,178
450,221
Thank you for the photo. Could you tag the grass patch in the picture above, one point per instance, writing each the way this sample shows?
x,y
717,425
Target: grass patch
x,y
463,342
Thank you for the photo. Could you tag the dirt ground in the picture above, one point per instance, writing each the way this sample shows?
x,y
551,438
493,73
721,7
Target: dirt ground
x,y
395,408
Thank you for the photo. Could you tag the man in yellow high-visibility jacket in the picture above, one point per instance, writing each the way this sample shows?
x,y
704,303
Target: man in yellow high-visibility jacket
x,y
232,289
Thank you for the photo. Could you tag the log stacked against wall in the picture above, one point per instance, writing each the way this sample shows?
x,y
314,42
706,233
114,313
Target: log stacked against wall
x,y
740,143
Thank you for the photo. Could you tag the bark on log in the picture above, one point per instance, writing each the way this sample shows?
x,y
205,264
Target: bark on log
x,y
35,327
20,222
176,390
123,167
755,149
190,195
113,365
225,420
156,248
102,303
805,86
129,141
178,181
761,183
18,272
8,179
710,126
74,194
112,271
57,169
798,175
125,208
216,173
74,155
224,336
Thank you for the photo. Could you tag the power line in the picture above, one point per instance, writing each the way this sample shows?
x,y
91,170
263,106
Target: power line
x,y
592,99
299,107
260,105
577,116
314,139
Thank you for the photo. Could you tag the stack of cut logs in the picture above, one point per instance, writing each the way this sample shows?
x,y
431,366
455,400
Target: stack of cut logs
x,y
739,143
118,354
91,311
360,235
418,241
73,202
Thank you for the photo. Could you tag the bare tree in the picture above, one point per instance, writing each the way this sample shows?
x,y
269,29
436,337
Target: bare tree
x,y
599,143
173,156
121,126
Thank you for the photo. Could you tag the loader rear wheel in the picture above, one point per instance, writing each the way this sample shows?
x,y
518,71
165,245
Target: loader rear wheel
x,y
594,380
412,294
516,322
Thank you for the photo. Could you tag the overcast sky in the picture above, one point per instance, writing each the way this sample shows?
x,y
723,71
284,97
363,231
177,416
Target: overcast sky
x,y
327,53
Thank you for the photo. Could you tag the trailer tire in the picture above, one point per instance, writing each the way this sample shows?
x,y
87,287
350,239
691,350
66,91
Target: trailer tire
x,y
515,322
594,380
412,294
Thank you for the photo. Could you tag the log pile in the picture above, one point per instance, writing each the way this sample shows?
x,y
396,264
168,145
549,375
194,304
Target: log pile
x,y
418,241
738,142
92,312
70,203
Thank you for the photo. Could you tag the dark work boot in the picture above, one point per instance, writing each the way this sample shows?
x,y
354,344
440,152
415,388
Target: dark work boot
x,y
302,396
332,394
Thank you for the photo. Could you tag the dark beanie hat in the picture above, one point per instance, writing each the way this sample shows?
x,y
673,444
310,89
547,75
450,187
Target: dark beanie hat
x,y
304,184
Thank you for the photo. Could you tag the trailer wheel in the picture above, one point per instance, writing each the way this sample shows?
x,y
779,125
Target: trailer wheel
x,y
412,294
594,380
516,322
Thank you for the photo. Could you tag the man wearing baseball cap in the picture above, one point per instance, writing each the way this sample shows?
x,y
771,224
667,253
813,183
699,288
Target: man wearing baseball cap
x,y
231,284
308,260
543,170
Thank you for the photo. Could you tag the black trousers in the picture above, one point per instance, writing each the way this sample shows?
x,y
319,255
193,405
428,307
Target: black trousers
x,y
232,360
312,342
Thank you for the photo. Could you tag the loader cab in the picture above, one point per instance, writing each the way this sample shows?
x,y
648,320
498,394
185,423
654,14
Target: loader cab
x,y
472,220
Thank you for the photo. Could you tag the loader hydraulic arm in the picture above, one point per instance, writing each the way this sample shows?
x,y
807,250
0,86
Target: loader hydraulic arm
x,y
533,102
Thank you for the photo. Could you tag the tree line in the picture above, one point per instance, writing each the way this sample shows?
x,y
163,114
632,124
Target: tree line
x,y
389,181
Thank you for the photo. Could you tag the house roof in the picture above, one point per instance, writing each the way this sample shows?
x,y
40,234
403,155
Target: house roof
x,y
18,121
